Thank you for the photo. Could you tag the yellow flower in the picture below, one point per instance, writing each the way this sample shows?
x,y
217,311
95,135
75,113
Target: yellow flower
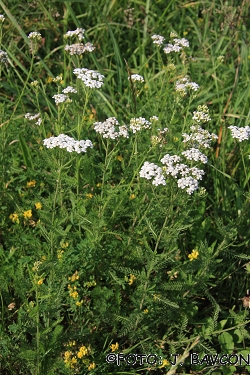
x,y
74,277
89,196
64,245
193,255
114,347
131,279
49,80
60,254
40,282
119,157
82,352
165,363
38,205
31,183
14,218
72,343
79,303
74,294
145,311
132,196
92,366
99,184
27,214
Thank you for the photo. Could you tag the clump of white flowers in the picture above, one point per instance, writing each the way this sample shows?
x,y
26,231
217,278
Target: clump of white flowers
x,y
3,57
241,134
158,39
31,117
199,137
175,44
78,33
79,48
195,154
137,124
187,178
61,98
111,129
136,78
90,78
184,84
2,18
202,114
70,144
34,39
69,89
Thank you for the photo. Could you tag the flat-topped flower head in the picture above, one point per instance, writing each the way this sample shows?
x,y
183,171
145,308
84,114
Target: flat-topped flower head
x,y
136,78
90,78
35,36
241,134
137,124
78,33
70,144
69,89
158,39
195,154
34,39
184,84
79,48
199,137
61,98
111,129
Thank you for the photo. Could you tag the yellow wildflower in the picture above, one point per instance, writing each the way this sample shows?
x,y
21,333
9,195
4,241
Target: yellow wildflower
x,y
92,366
114,347
27,214
64,245
74,294
145,311
49,80
72,343
82,352
119,157
99,184
14,218
40,282
38,205
131,279
31,183
132,196
193,255
89,195
74,277
165,363
79,303
60,254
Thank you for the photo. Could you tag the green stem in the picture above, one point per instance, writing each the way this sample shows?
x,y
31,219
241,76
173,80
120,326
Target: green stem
x,y
37,336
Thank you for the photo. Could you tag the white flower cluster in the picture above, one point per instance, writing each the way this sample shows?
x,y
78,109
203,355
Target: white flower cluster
x,y
79,33
187,177
183,84
64,141
57,79
137,124
240,133
108,129
35,36
195,154
177,46
200,116
150,170
136,77
61,98
2,18
90,78
158,39
69,89
79,48
154,118
3,57
199,137
31,117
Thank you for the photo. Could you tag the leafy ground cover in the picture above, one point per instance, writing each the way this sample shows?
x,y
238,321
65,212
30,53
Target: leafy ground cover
x,y
124,190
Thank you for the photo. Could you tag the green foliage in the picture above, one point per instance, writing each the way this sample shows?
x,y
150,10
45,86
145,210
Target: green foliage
x,y
94,257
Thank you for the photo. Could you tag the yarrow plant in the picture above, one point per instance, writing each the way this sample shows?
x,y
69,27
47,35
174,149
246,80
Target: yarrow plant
x,y
90,78
136,78
108,129
184,84
241,134
69,143
137,124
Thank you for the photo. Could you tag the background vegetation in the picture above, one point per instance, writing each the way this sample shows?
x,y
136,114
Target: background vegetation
x,y
94,258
